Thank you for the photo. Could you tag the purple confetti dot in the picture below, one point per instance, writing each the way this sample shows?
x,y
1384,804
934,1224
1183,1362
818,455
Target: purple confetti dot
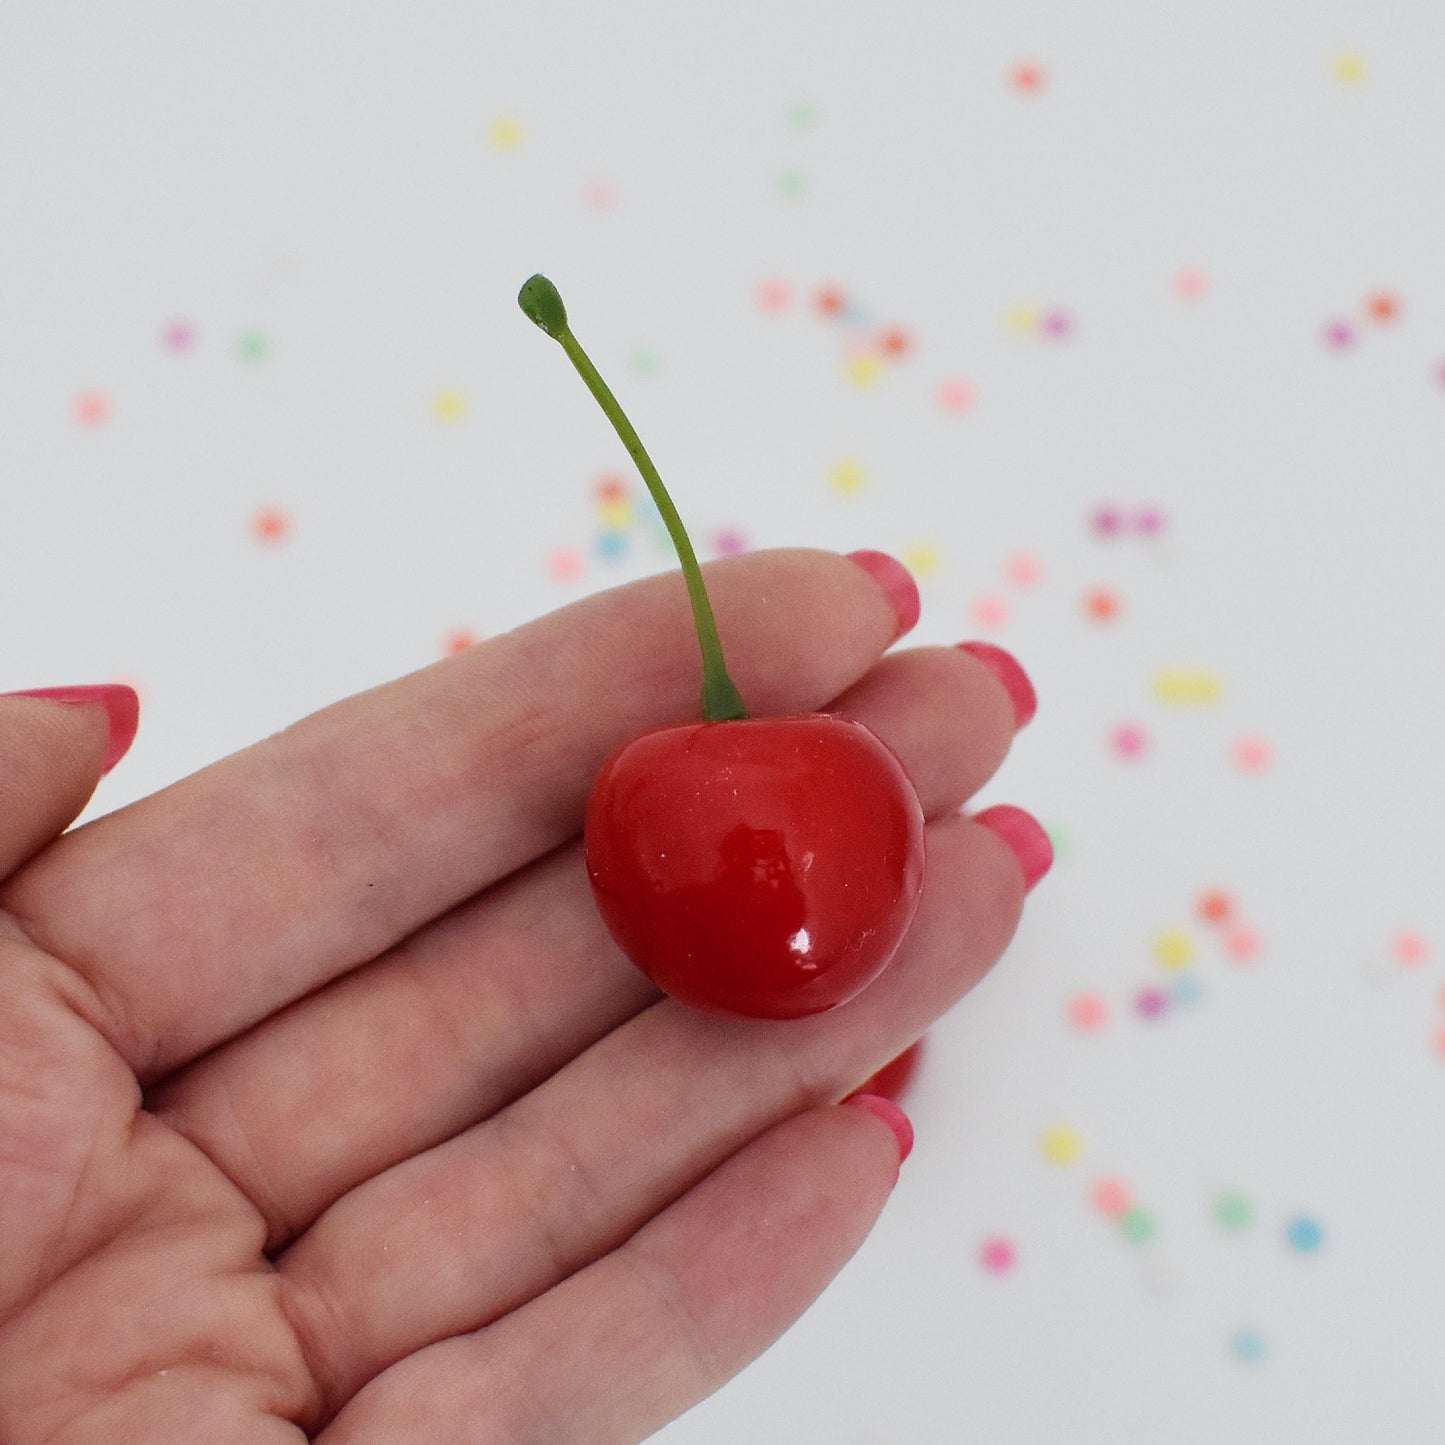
x,y
1149,521
1107,522
1339,335
1057,324
1150,1003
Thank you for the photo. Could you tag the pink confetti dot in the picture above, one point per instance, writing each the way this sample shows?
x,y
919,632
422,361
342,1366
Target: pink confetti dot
x,y
271,525
1242,942
728,542
1253,754
1107,522
1409,948
1024,569
1149,521
1339,335
1129,740
178,336
599,196
1112,1197
998,1254
1056,325
93,408
957,395
989,610
564,564
1191,283
1088,1012
1150,1003
458,640
773,296
1440,1042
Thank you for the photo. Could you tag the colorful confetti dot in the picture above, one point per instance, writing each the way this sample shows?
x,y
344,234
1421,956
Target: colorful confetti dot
x,y
1174,948
1061,1144
1088,1012
957,395
1026,78
1253,754
1348,67
458,640
894,343
1186,687
1304,1234
802,114
847,477
1242,943
92,408
1149,521
270,525
1056,325
1112,1197
1186,990
1191,283
1382,306
989,611
1339,335
1024,569
1137,1225
1440,1041
253,346
1214,905
610,488
1022,319
998,1255
1409,948
729,542
505,133
922,559
793,183
773,296
830,301
599,195
449,405
645,362
1129,741
863,369
611,544
1101,604
564,564
1247,1346
1151,1002
178,336
1233,1211
1107,521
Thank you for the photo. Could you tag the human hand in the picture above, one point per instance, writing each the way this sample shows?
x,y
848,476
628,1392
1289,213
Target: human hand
x,y
328,1109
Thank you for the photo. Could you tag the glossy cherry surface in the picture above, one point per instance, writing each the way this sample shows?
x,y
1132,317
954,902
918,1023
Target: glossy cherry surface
x,y
766,866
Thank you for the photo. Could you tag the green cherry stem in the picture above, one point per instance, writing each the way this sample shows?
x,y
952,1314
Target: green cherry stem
x,y
721,701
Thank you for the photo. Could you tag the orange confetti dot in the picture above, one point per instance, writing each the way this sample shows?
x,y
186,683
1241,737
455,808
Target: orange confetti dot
x,y
609,489
1027,77
1088,1012
1102,604
458,640
1215,906
895,342
270,525
1383,306
830,300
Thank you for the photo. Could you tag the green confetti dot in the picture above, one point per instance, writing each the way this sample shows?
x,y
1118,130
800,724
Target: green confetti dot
x,y
802,114
1059,837
253,346
1138,1226
1233,1211
793,184
645,362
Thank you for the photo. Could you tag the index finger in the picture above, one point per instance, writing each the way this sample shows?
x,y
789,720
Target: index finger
x,y
196,912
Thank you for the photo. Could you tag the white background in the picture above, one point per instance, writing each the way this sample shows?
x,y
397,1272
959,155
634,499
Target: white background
x,y
331,177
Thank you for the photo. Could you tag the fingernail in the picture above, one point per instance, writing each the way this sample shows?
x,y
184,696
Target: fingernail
x,y
1005,666
897,583
120,702
1024,834
891,1115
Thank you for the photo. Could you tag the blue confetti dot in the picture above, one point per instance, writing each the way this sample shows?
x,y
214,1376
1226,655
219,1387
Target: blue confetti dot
x,y
1187,991
1248,1346
1304,1234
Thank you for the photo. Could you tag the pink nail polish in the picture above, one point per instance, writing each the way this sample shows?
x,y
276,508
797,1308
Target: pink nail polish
x,y
1005,666
1025,835
120,702
897,583
891,1115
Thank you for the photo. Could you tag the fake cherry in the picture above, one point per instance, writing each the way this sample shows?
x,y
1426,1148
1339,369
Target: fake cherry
x,y
765,867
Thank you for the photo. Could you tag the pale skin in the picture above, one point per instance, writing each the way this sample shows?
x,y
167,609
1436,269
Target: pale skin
x,y
328,1110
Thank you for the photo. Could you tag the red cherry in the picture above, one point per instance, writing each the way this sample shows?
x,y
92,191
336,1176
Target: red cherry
x,y
895,1079
767,867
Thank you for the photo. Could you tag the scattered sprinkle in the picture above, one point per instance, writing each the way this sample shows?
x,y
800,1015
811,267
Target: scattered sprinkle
x,y
253,346
1382,307
1191,283
1024,569
847,477
957,395
449,405
793,184
178,336
1088,1012
1138,1225
1242,943
989,611
1348,67
458,640
773,296
1061,1144
564,564
1151,1002
1233,1211
1339,335
998,1255
93,408
1101,604
270,525
1247,1346
1253,754
505,134
1112,1197
922,559
1304,1234
1186,687
1174,948
1409,948
1026,78
1215,906
1129,741
599,196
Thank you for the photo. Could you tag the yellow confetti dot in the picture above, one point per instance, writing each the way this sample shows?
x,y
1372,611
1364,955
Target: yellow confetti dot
x,y
450,405
616,512
505,133
1174,948
847,477
922,560
1061,1144
1349,67
1182,687
1022,319
863,369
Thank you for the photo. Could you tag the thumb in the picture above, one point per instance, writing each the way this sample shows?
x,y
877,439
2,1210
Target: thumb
x,y
55,744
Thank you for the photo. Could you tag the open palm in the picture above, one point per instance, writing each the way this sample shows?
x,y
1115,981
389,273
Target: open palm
x,y
328,1109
